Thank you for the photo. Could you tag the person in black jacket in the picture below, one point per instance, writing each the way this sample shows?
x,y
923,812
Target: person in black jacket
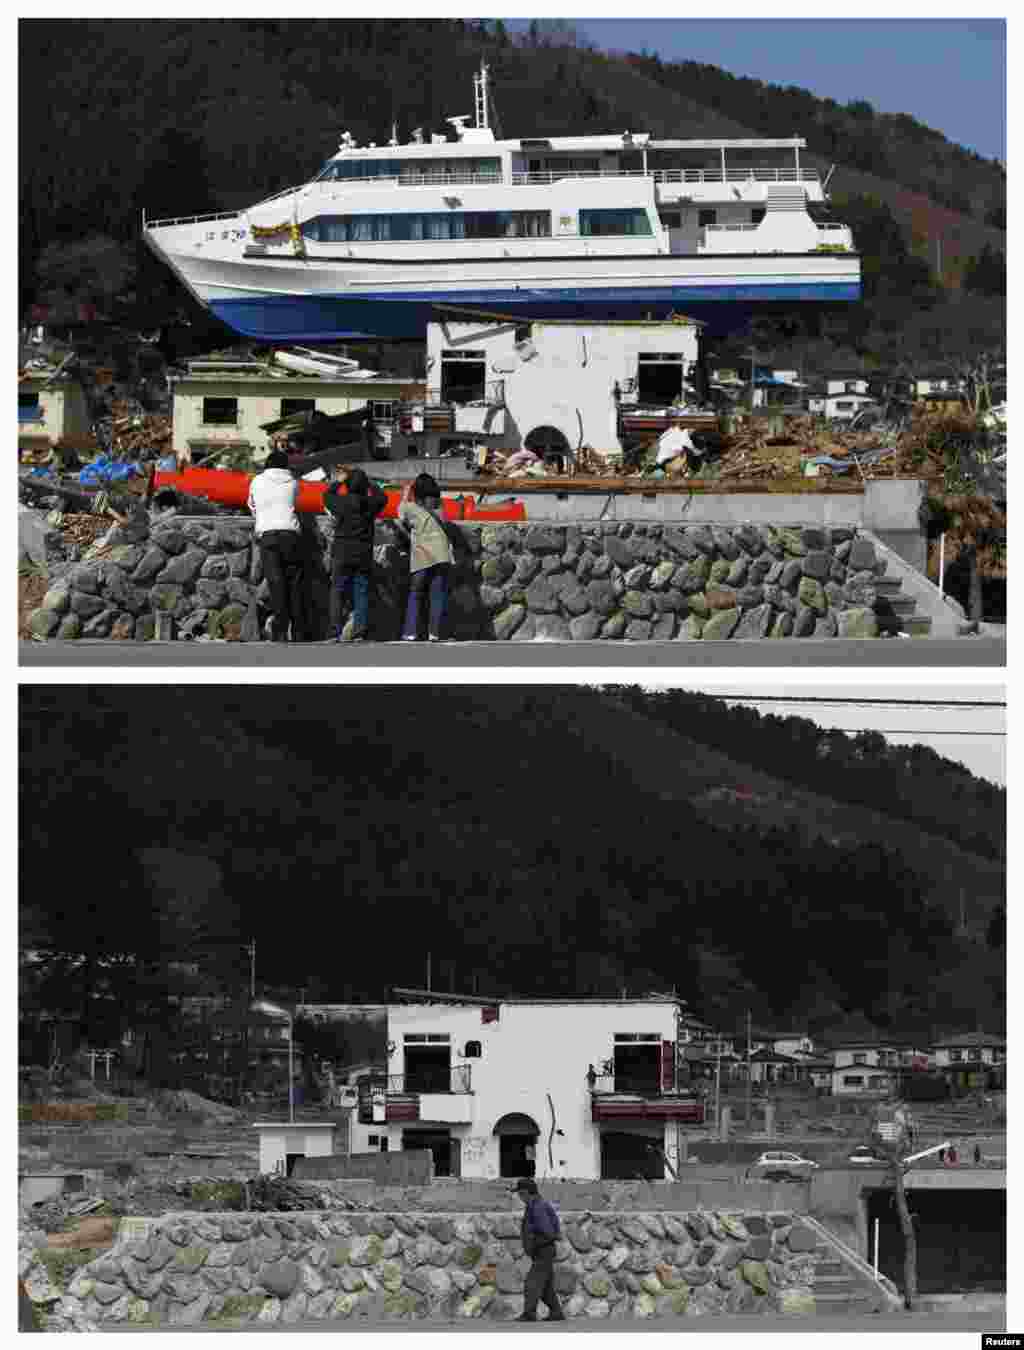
x,y
352,552
540,1232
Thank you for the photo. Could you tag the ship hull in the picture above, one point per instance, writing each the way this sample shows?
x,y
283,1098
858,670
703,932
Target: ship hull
x,y
317,298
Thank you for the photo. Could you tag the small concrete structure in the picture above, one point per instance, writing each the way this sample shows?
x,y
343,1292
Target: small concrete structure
x,y
226,407
282,1141
50,410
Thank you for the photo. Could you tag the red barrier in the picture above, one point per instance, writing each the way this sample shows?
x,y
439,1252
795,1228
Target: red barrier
x,y
231,488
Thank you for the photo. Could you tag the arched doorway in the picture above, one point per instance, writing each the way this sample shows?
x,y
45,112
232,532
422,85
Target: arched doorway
x,y
550,444
517,1145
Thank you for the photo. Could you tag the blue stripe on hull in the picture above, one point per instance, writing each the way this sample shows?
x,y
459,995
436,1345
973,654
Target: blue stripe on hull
x,y
327,318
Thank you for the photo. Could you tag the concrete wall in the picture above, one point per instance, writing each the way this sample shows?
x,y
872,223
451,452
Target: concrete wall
x,y
413,1167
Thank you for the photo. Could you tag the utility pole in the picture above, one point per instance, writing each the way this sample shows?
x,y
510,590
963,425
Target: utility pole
x,y
749,1084
251,949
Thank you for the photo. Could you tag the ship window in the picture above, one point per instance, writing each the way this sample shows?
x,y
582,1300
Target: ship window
x,y
756,215
220,412
671,220
432,225
573,164
612,222
708,217
291,406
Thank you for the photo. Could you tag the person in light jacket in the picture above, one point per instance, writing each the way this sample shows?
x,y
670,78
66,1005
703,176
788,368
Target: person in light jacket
x,y
272,496
431,558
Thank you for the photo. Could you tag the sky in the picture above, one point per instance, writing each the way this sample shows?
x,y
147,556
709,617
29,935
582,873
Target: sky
x,y
949,73
974,737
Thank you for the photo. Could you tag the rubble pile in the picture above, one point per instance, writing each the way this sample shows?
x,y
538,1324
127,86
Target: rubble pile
x,y
132,434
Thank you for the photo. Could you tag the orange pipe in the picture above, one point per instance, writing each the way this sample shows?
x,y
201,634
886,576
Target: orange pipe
x,y
231,488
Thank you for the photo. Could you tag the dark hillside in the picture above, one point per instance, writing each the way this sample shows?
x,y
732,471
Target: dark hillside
x,y
531,838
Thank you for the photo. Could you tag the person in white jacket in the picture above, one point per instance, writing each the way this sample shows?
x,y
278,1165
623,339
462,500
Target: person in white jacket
x,y
272,497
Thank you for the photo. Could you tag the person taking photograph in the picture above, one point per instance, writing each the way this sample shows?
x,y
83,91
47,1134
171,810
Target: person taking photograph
x,y
431,557
355,513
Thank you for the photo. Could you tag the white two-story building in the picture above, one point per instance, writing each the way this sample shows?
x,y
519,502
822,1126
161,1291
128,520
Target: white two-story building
x,y
549,1088
551,387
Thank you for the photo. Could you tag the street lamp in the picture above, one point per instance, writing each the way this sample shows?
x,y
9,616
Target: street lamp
x,y
268,1009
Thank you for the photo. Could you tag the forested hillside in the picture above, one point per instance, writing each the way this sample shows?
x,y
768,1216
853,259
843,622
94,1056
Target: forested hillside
x,y
357,829
182,116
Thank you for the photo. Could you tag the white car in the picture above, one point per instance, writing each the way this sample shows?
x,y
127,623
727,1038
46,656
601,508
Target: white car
x,y
777,1161
867,1157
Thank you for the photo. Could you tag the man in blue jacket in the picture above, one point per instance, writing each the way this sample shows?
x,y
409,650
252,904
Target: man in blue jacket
x,y
540,1232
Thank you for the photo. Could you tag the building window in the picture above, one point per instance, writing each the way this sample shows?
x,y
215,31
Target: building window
x,y
220,412
853,1080
860,1058
29,409
373,1140
707,217
473,1050
955,1056
291,406
382,412
877,1080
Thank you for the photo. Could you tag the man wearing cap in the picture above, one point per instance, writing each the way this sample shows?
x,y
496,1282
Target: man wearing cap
x,y
540,1231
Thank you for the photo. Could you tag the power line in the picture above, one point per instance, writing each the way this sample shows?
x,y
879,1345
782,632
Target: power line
x,y
861,702
910,731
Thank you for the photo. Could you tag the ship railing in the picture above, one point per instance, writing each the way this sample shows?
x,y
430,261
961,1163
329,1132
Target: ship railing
x,y
189,220
759,175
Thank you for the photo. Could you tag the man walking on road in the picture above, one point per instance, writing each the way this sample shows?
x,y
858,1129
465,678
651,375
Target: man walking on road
x,y
540,1231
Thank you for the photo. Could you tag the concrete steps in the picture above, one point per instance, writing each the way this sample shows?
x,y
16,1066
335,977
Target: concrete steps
x,y
840,1289
897,612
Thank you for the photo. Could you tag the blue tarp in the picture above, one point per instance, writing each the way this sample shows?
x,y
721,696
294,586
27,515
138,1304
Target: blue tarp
x,y
851,461
103,469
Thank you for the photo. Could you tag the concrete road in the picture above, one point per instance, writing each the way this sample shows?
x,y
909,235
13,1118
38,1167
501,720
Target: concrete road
x,y
889,1323
343,659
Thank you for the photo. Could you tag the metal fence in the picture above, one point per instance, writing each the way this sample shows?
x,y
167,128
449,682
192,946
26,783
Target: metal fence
x,y
427,1079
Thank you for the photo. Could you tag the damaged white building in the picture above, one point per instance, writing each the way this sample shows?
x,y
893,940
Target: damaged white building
x,y
550,387
552,1088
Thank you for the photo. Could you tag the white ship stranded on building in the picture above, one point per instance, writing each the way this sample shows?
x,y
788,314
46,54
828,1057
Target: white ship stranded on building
x,y
618,226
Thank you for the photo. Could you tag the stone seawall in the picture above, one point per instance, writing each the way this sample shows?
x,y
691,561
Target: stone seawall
x,y
191,1269
518,582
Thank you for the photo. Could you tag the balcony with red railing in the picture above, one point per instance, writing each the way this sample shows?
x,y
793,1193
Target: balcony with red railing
x,y
630,1097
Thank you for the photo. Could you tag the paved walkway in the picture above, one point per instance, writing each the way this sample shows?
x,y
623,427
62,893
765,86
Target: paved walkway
x,y
887,654
931,1322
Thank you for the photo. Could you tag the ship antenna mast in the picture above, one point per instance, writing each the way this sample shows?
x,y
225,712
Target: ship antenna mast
x,y
482,101
486,112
